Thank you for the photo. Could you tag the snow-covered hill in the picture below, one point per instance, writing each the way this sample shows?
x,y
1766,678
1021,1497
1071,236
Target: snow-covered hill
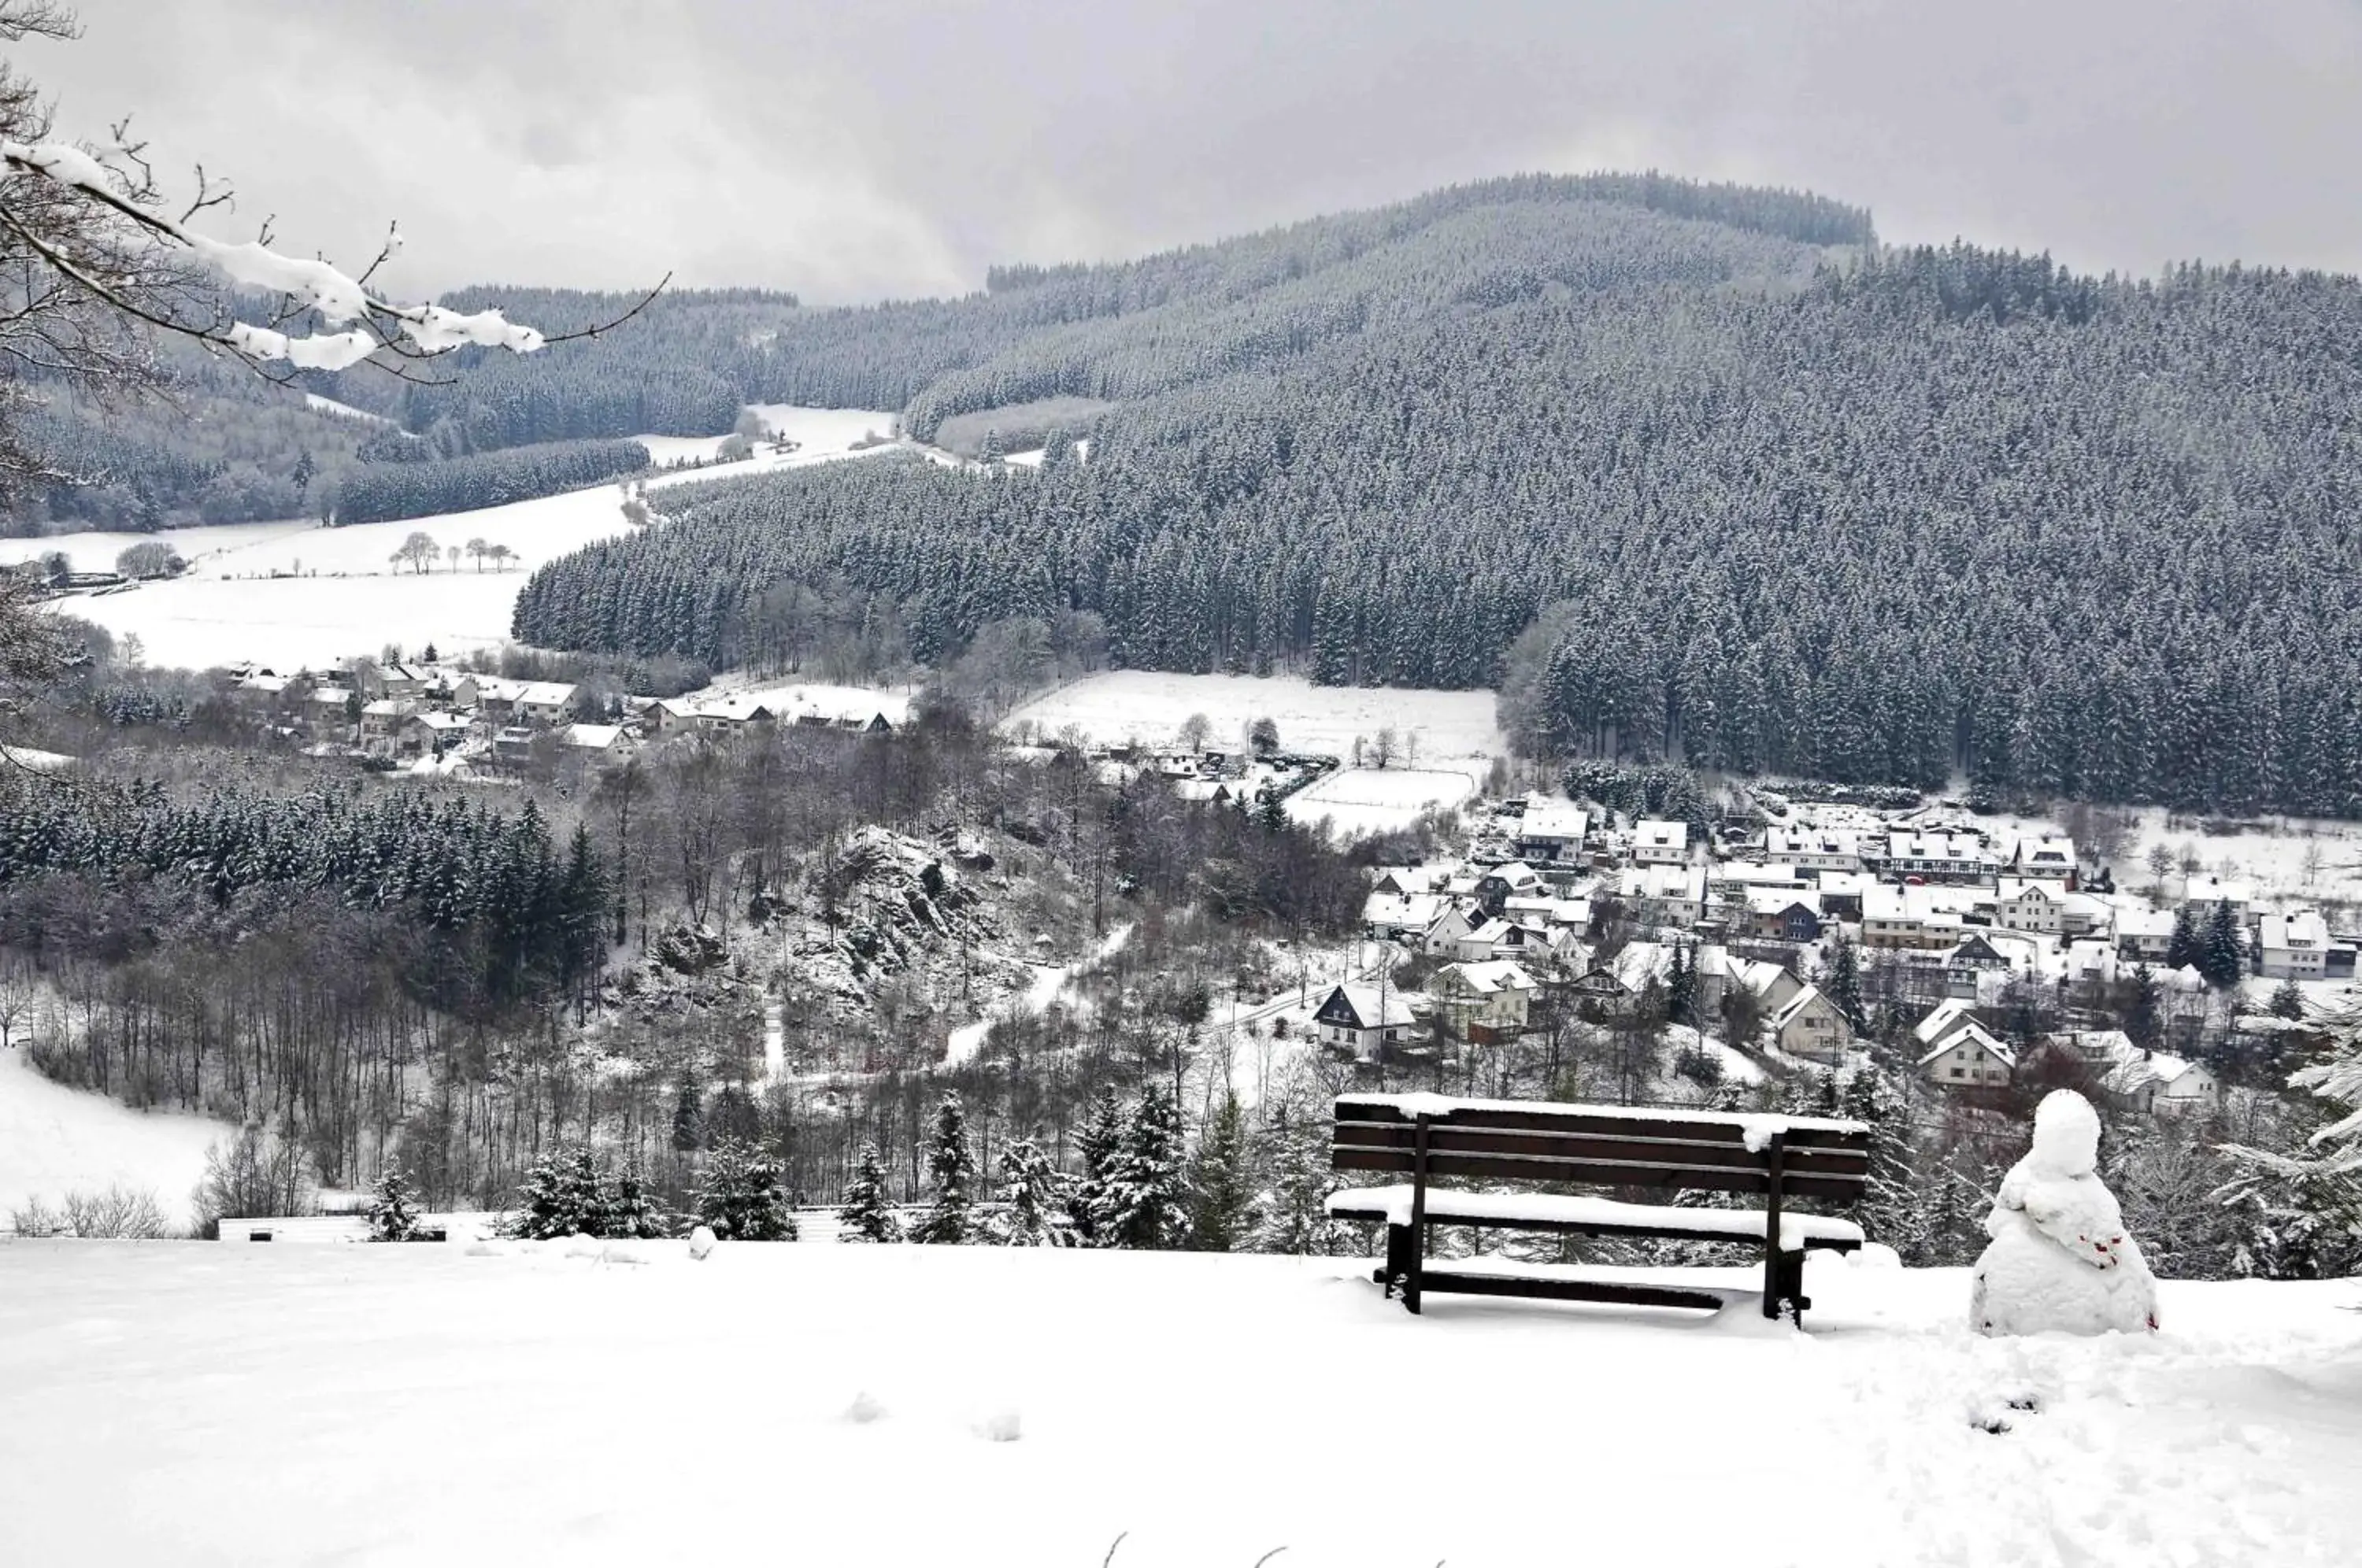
x,y
349,598
55,1140
983,1407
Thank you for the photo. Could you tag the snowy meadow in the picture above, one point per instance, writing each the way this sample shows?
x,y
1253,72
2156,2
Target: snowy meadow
x,y
981,1406
288,594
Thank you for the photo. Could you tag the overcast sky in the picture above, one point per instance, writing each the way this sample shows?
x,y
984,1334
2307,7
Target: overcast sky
x,y
859,150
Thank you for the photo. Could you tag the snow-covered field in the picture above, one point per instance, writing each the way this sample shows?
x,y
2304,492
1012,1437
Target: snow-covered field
x,y
810,696
350,599
1355,802
198,1404
1150,707
55,1140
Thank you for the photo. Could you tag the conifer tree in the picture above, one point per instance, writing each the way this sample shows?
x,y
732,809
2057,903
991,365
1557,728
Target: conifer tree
x,y
2223,959
1099,1143
631,1210
392,1210
952,1164
1297,1221
1034,1193
1842,982
564,1194
2287,1002
739,1194
687,1114
1224,1192
1681,988
1147,1182
2183,949
864,1213
2143,1026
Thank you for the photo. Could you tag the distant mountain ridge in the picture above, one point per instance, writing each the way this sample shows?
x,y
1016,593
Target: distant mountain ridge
x,y
1708,474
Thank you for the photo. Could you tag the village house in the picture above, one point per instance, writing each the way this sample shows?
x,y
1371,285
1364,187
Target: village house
x,y
1771,986
1513,880
1485,1004
383,719
1780,917
263,692
2162,1085
1360,1021
326,713
1663,895
1390,917
2021,904
514,702
1659,843
2202,894
1809,1025
1969,1055
1814,849
1551,831
2042,856
1926,917
432,734
1960,858
2292,947
611,742
2144,934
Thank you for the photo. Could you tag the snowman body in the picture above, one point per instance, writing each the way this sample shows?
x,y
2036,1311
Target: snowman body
x,y
2059,1261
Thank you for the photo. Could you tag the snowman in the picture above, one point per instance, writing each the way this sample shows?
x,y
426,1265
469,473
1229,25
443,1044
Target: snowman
x,y
2059,1260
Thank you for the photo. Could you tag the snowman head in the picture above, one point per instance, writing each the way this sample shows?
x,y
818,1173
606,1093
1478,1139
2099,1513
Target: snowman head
x,y
2066,1134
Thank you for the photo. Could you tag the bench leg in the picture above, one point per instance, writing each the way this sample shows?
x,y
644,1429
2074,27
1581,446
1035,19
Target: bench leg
x,y
1398,1258
1783,1283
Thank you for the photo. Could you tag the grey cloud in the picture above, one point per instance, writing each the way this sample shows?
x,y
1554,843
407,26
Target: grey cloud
x,y
856,152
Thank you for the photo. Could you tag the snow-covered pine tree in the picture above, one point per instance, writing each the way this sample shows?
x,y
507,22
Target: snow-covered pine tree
x,y
2223,956
393,1210
1098,1141
1297,1221
564,1194
952,1164
2185,946
739,1194
1225,1194
2308,1192
632,1211
866,1214
1035,1193
1147,1205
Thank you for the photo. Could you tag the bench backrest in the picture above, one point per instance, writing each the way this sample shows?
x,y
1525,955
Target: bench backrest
x,y
1603,1145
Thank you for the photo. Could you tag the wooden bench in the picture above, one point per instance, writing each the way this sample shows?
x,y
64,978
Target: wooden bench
x,y
1421,1137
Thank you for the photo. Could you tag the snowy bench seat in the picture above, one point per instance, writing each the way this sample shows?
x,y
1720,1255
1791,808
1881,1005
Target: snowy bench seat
x,y
1431,1138
1591,1216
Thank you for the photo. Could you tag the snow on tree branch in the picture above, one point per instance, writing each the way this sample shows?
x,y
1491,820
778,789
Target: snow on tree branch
x,y
121,182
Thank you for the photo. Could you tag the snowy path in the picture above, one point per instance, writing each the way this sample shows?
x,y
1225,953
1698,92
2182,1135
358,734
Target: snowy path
x,y
1049,980
139,1383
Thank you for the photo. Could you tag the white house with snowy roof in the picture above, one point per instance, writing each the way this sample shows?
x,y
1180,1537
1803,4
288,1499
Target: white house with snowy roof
x,y
1809,1025
2160,1085
1969,1055
1814,849
2203,893
1960,857
1551,831
1657,841
2044,854
1487,1004
2293,946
